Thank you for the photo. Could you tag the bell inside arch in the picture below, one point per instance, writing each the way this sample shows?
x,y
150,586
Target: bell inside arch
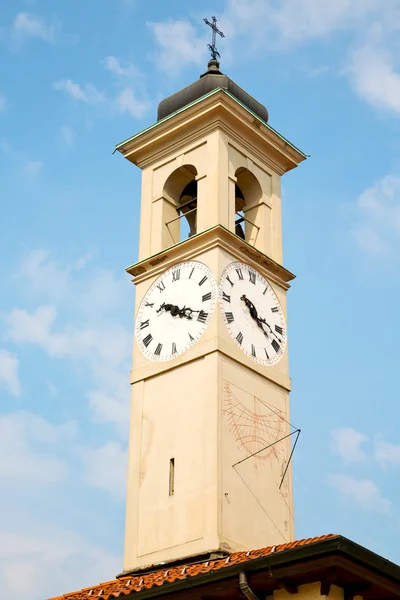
x,y
239,205
188,206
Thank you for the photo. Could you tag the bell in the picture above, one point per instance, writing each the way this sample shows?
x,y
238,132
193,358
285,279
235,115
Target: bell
x,y
239,230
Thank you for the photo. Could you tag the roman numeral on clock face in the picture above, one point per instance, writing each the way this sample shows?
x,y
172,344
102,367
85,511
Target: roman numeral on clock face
x,y
160,286
252,277
239,338
147,340
157,351
275,345
203,280
229,317
278,329
144,324
227,277
275,309
191,273
176,275
173,348
191,338
226,297
239,272
202,318
206,297
253,351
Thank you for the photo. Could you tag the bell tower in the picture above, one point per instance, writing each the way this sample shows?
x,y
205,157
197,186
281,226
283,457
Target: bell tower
x,y
210,446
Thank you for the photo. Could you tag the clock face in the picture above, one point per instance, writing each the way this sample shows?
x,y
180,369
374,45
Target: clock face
x,y
252,313
176,310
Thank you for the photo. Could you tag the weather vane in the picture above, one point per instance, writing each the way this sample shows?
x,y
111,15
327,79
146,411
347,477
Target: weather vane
x,y
212,47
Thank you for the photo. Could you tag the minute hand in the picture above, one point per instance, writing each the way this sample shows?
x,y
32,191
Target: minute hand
x,y
260,320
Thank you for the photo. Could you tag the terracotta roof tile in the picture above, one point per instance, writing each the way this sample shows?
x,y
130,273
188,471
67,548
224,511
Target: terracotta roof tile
x,y
118,588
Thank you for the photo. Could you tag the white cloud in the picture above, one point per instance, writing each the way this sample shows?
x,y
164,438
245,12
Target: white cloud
x,y
284,24
108,342
3,102
97,292
361,493
106,468
83,261
88,94
126,100
111,63
68,135
29,443
377,227
347,443
9,379
32,167
292,22
32,26
128,103
107,408
386,453
78,324
53,561
71,88
374,78
179,45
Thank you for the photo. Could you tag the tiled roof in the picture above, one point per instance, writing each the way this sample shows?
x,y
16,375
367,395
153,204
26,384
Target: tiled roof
x,y
118,588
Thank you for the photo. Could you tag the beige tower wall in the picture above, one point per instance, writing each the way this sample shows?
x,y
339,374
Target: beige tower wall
x,y
212,406
255,510
209,409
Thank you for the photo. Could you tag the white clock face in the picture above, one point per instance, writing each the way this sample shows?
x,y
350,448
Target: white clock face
x,y
176,310
252,313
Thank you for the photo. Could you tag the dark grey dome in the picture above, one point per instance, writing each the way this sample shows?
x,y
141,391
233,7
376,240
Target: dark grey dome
x,y
209,81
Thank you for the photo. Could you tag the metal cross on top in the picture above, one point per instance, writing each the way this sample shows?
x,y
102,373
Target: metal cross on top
x,y
213,49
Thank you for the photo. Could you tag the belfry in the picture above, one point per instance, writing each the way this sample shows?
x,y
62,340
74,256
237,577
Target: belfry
x,y
209,512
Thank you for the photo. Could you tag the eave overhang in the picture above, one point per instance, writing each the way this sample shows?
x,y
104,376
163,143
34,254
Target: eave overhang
x,y
335,561
218,107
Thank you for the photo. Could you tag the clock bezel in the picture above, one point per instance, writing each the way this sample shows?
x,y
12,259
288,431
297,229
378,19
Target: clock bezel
x,y
270,362
150,355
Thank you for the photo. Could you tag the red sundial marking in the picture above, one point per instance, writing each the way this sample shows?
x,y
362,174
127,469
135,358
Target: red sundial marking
x,y
253,430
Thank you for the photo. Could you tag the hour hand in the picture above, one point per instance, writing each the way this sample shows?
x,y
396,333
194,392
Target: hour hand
x,y
171,308
251,307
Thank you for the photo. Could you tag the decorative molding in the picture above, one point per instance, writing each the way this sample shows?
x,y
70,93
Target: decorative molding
x,y
216,107
217,236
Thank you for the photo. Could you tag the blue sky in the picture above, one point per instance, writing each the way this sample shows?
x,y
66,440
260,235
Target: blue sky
x,y
77,78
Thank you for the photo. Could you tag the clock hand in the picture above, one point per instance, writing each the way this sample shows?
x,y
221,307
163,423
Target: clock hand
x,y
260,322
183,313
176,311
171,308
269,327
250,306
253,313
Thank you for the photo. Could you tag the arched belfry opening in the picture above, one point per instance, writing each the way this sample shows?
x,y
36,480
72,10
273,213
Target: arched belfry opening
x,y
248,196
180,191
187,207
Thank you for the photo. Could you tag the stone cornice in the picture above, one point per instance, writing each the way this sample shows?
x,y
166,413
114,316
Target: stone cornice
x,y
215,110
217,236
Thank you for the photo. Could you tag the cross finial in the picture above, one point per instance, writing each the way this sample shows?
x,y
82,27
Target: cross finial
x,y
212,47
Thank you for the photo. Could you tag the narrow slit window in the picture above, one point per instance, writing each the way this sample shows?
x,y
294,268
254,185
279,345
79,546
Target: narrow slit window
x,y
171,476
